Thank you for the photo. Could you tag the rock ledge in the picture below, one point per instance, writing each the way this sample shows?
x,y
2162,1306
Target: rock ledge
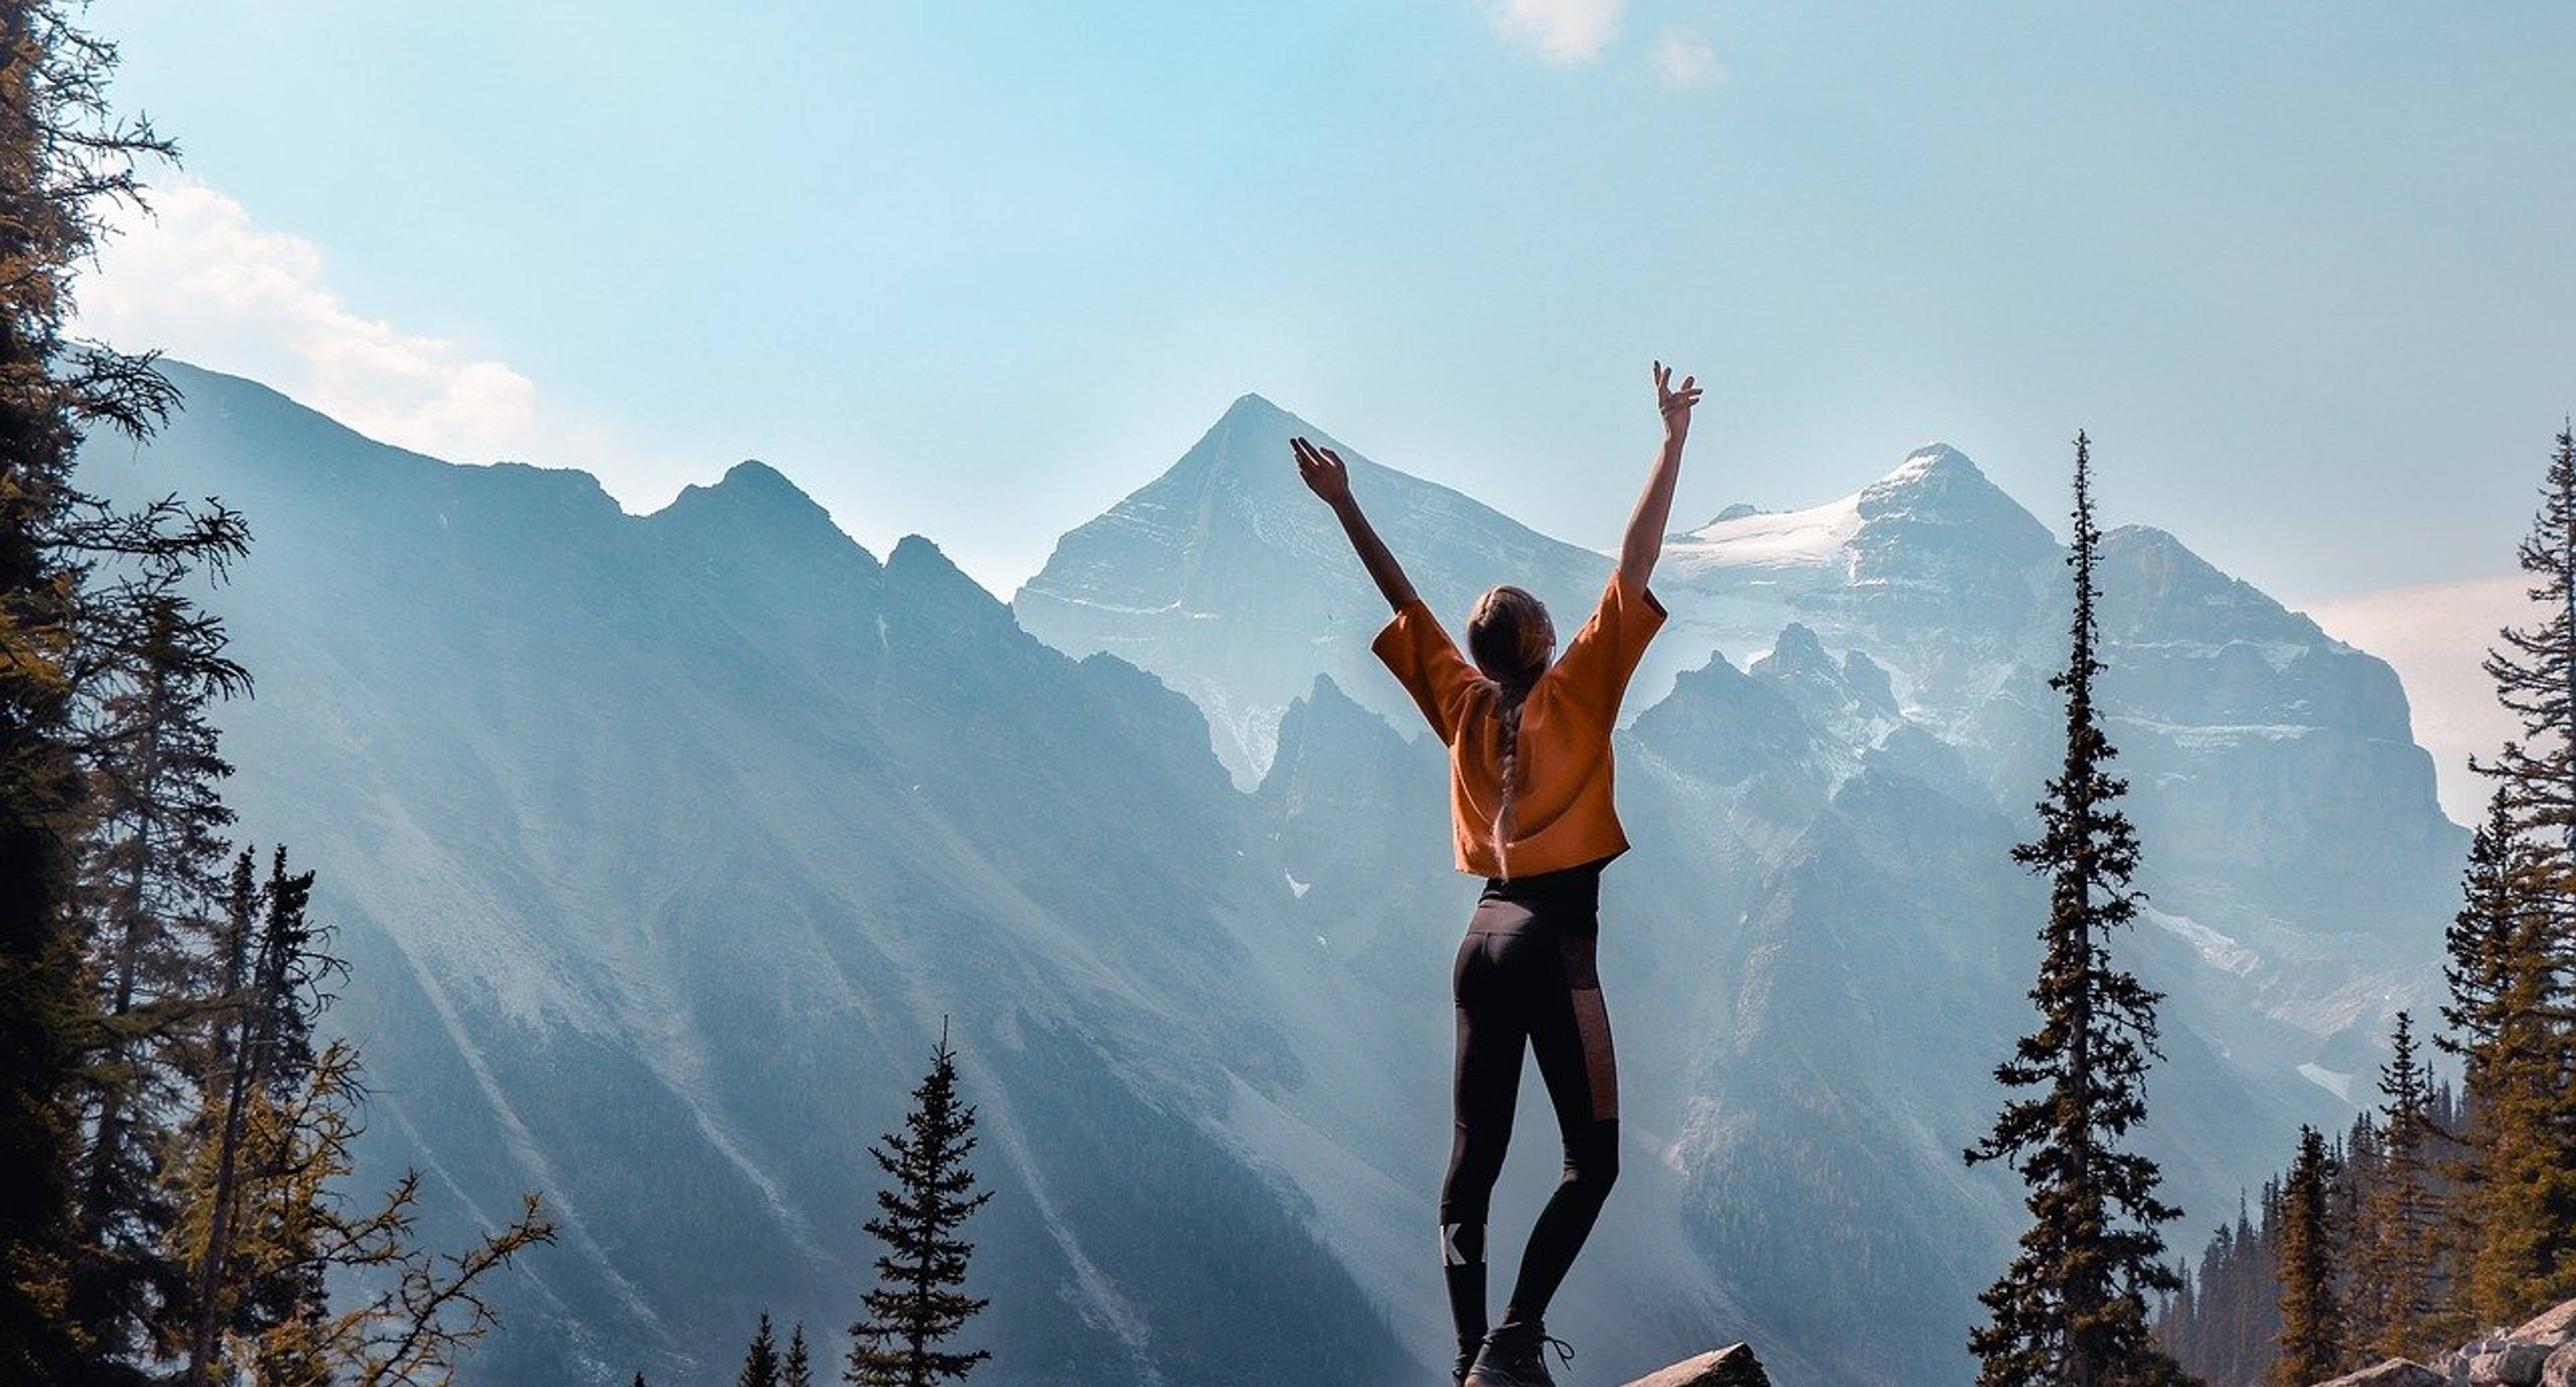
x,y
1732,1366
2542,1353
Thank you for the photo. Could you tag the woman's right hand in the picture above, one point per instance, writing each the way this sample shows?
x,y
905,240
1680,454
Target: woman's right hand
x,y
1675,402
1323,471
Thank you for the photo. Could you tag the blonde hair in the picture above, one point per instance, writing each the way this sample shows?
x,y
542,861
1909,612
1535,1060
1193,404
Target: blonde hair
x,y
1511,639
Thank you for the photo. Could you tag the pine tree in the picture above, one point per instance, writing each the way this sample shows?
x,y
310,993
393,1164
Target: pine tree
x,y
798,1372
265,1229
150,875
917,1307
2353,1162
2488,1029
760,1362
2311,1320
2535,669
2395,1272
2480,945
66,162
2513,970
2071,1309
2448,1123
262,1053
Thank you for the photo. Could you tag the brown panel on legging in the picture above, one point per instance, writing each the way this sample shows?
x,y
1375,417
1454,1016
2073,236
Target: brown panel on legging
x,y
1600,1064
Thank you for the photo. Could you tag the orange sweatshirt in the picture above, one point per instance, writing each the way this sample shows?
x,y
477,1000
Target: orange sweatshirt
x,y
1562,813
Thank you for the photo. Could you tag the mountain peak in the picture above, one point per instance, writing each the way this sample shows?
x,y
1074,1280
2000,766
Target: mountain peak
x,y
923,584
755,510
1933,462
1221,572
753,476
748,487
1937,497
1252,405
1797,652
917,554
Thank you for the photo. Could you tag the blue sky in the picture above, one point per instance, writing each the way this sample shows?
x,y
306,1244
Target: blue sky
x,y
976,271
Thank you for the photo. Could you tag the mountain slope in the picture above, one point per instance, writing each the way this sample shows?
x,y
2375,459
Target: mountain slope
x,y
664,843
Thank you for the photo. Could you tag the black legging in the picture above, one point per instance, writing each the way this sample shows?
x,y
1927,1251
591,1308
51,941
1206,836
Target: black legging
x,y
1525,973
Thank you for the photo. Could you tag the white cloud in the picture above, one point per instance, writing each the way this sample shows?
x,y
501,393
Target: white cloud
x,y
203,281
1685,58
1560,31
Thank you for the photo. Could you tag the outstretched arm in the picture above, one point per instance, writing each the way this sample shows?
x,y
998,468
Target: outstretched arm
x,y
1329,479
1645,541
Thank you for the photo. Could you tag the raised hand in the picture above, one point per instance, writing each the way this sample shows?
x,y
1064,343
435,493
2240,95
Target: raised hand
x,y
1675,403
1329,479
1645,539
1323,471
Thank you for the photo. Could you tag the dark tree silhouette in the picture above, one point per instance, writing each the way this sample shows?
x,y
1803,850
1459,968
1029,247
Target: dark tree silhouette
x,y
2311,1319
2394,1269
266,1230
2071,1309
760,1366
262,1053
799,1372
918,1304
66,161
150,879
2513,951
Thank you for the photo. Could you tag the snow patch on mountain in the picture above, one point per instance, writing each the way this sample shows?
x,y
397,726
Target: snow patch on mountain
x,y
2215,949
1812,538
2338,1084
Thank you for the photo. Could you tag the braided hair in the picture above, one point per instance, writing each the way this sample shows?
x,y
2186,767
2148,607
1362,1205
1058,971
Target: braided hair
x,y
1511,639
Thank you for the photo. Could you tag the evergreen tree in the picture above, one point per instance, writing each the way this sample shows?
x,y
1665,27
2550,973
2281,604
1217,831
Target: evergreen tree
x,y
2353,1163
2253,1320
2513,967
2071,1309
66,161
150,876
2311,1320
262,1053
2447,1124
760,1366
265,1229
917,1306
2394,1272
2535,669
2482,942
2227,1329
798,1371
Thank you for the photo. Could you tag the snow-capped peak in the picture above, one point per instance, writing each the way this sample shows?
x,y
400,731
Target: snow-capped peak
x,y
1927,460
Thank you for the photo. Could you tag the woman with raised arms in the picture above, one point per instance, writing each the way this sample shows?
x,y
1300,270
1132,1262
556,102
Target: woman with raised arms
x,y
1530,803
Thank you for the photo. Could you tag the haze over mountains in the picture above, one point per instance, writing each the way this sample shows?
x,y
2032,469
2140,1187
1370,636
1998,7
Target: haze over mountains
x,y
663,843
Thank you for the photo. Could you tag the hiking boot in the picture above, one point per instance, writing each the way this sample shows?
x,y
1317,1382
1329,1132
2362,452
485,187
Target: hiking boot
x,y
1466,1360
1514,1355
